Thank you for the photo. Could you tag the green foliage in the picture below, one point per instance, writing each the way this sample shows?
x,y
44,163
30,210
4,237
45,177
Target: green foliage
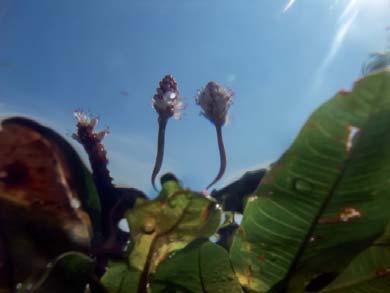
x,y
202,266
168,223
318,222
326,199
367,273
119,278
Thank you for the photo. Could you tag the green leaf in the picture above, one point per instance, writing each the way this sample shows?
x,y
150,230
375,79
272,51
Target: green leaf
x,y
326,199
232,196
119,278
369,272
168,223
202,266
70,272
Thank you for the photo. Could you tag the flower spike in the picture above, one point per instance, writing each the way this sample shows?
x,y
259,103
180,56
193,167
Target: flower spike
x,y
215,101
167,103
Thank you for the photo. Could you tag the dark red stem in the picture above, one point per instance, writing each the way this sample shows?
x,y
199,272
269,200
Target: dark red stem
x,y
162,124
222,156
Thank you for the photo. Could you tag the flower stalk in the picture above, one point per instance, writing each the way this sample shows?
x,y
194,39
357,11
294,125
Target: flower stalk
x,y
162,124
215,101
167,103
97,155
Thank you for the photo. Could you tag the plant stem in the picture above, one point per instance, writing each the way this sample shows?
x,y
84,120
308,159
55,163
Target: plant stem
x,y
162,124
222,156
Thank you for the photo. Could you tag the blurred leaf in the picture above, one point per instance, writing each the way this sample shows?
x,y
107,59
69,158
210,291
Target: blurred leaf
x,y
119,278
233,195
47,198
326,199
202,266
70,272
378,61
226,234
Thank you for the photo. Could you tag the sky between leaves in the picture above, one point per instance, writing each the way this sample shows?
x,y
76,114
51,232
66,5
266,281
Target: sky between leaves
x,y
281,58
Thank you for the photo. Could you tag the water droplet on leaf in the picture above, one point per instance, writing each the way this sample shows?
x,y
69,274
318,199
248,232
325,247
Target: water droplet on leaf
x,y
303,186
149,226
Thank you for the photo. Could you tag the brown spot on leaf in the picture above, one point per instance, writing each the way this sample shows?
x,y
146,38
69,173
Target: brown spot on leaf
x,y
241,231
344,93
383,272
261,258
204,216
345,215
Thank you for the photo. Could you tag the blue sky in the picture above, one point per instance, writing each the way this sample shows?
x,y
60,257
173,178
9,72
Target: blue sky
x,y
281,58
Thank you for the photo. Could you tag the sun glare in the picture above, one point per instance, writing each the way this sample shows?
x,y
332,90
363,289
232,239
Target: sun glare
x,y
350,5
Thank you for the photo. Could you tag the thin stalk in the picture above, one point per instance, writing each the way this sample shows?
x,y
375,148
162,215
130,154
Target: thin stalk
x,y
222,156
162,124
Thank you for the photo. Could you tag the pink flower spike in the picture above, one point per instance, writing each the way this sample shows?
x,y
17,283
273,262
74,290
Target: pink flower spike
x,y
167,101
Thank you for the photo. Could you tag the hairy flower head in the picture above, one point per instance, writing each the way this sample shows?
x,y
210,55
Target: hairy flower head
x,y
167,101
215,101
86,128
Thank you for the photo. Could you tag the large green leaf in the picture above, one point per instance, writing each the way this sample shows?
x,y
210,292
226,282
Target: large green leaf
x,y
326,199
369,272
161,226
202,266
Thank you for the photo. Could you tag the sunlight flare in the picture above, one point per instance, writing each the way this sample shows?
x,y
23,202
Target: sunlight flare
x,y
289,4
